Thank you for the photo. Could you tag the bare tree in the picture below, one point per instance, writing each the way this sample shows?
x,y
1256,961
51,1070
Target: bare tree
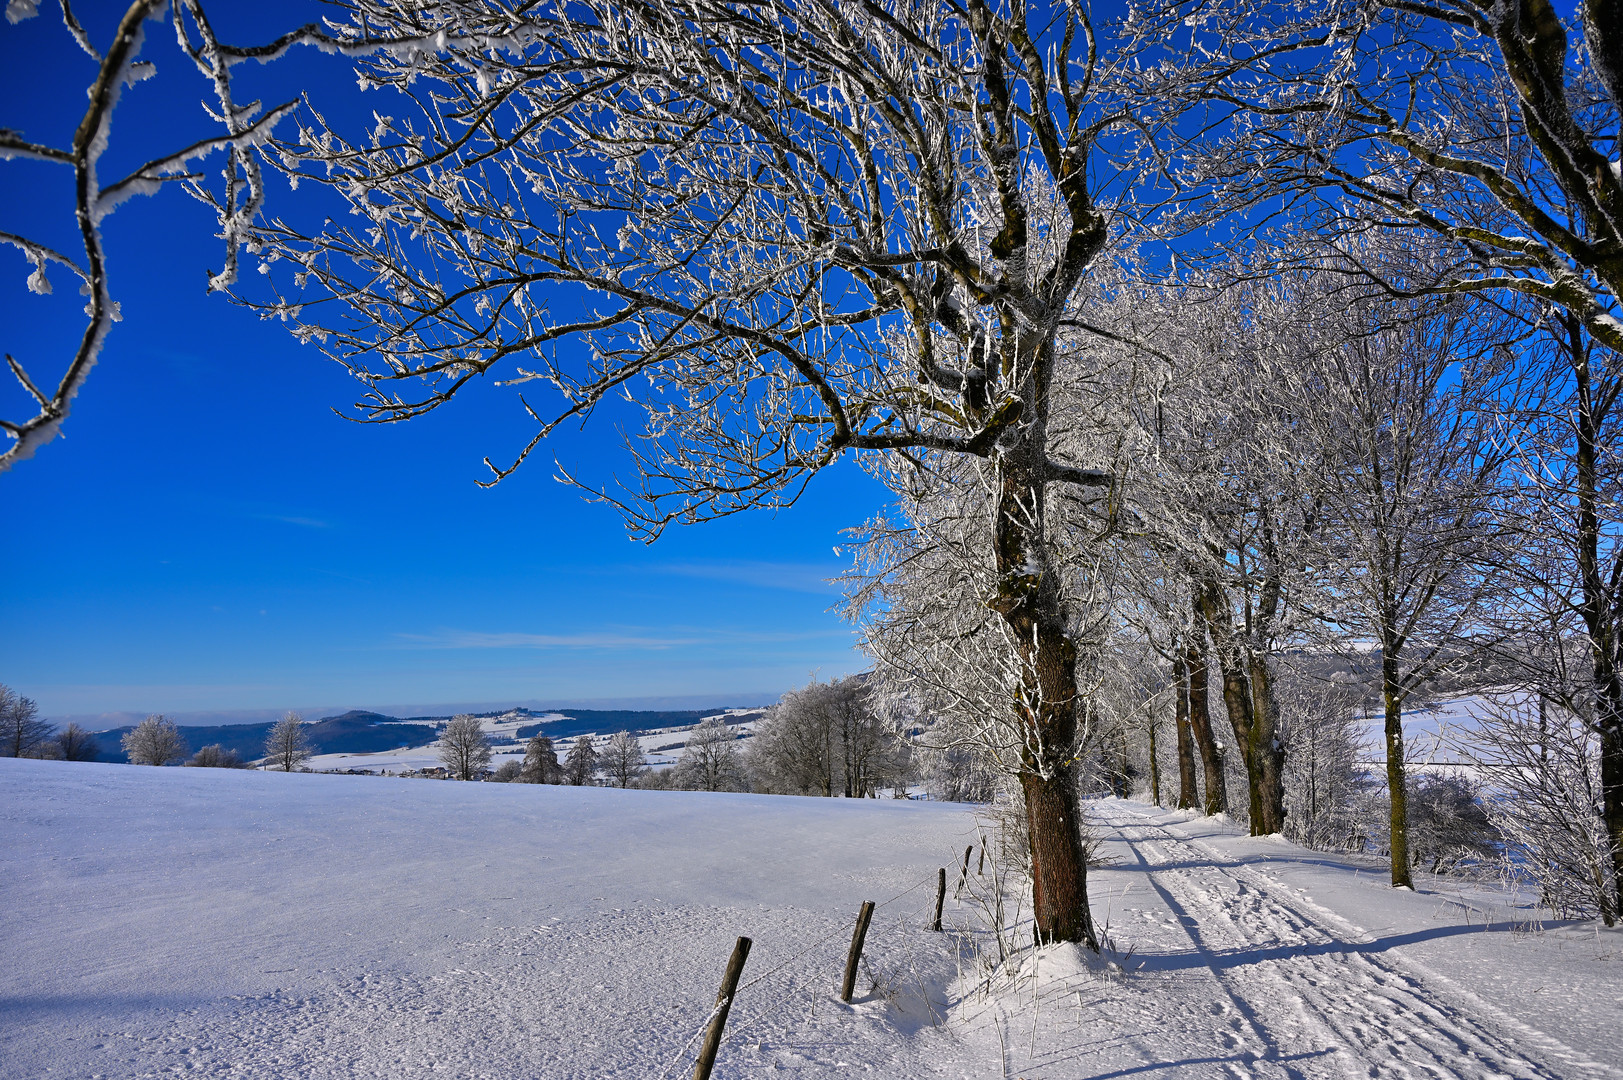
x,y
540,762
824,739
711,761
867,237
1399,400
22,732
287,746
155,741
464,747
622,759
1326,780
114,72
580,764
215,756
1545,762
77,744
1564,558
1481,126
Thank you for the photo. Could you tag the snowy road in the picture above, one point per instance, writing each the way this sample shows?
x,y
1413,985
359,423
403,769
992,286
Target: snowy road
x,y
1310,997
1235,970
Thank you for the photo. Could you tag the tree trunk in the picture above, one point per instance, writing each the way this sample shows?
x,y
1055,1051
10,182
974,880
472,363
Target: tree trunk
x,y
1600,608
1395,780
1266,749
1188,797
1155,766
1200,723
1259,745
1046,704
1236,687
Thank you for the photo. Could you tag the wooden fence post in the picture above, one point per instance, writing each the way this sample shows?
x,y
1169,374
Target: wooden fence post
x,y
851,958
724,1003
964,875
940,896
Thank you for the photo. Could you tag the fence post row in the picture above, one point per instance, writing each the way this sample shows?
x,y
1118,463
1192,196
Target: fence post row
x,y
855,954
724,1003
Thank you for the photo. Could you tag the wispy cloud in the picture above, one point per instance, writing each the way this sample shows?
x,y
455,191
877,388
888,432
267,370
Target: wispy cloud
x,y
289,519
671,638
472,639
794,577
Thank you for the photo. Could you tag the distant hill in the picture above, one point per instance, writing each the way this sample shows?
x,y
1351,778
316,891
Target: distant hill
x,y
360,732
354,732
607,721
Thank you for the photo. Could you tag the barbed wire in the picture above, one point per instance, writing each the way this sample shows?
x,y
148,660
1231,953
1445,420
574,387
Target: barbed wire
x,y
683,1053
795,990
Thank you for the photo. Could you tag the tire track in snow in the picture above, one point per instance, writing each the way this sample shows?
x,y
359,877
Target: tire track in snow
x,y
1315,1002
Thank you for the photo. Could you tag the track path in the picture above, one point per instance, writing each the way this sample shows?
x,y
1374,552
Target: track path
x,y
1301,992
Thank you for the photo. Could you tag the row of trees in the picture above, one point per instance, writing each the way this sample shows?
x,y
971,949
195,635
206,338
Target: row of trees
x,y
1413,488
1005,255
158,741
154,741
822,739
24,735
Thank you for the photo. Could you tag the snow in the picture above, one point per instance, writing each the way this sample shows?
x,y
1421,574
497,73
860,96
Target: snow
x,y
662,746
229,923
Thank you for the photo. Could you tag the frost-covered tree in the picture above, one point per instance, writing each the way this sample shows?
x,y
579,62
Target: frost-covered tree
x,y
580,764
287,747
1486,129
216,756
824,739
866,236
464,748
622,759
540,762
22,732
711,760
1449,823
225,128
508,772
1563,556
958,774
155,741
1544,763
1397,402
1325,779
77,744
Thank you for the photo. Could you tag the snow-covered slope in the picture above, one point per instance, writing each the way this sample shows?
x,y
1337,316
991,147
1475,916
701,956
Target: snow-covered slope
x,y
229,923
243,924
663,746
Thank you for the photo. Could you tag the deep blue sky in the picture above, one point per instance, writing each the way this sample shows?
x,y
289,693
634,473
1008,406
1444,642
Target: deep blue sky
x,y
209,536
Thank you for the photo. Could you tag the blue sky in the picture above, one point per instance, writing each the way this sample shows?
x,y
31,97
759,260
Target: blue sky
x,y
209,536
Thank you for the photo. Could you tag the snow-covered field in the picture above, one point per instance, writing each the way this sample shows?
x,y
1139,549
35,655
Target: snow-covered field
x,y
223,923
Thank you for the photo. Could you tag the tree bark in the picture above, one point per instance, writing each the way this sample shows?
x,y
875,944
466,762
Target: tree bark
x,y
1262,782
1214,611
1600,605
1266,749
1200,722
1155,766
1396,781
1188,796
1030,601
